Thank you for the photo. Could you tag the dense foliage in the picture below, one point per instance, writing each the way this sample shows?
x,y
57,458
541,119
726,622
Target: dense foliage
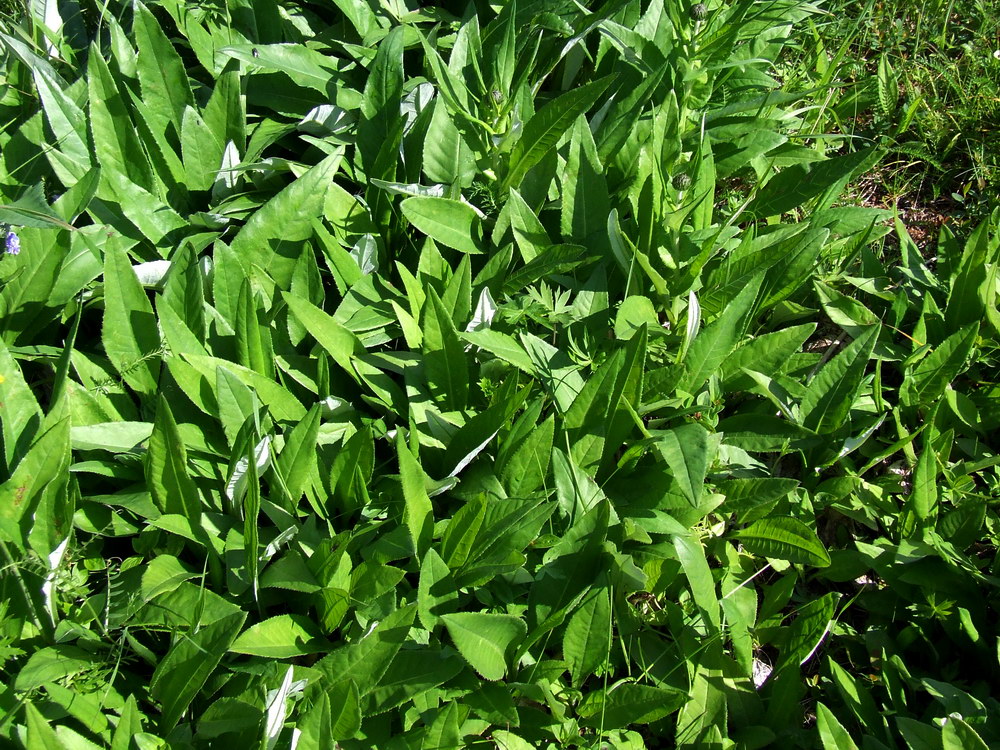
x,y
509,375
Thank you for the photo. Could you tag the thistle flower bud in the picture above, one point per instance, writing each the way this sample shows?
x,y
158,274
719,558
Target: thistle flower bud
x,y
682,182
698,12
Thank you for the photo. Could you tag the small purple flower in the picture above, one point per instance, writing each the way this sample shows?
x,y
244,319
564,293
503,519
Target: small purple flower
x,y
13,243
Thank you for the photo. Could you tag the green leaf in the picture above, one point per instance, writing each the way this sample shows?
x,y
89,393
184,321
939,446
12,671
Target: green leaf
x,y
452,223
380,105
297,461
445,364
548,125
445,731
436,590
272,238
971,295
303,65
31,210
418,514
366,660
172,488
336,715
959,735
163,574
339,342
691,553
629,703
165,86
116,143
768,353
460,536
281,637
785,538
585,200
587,640
40,735
129,725
832,392
796,184
53,663
529,234
527,467
22,415
686,452
503,346
484,639
923,499
43,469
189,663
201,151
130,334
927,381
447,158
812,622
716,341
831,731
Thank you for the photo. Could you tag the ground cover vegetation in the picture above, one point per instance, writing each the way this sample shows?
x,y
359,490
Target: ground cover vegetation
x,y
514,375
924,82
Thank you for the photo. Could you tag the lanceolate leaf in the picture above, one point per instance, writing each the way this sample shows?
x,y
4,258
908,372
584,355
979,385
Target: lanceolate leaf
x,y
130,335
418,513
548,125
718,339
931,376
165,85
831,394
484,640
686,453
189,663
172,488
785,538
587,640
271,239
452,223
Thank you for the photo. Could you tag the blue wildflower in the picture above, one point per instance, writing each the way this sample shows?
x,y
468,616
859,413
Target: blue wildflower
x,y
13,243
